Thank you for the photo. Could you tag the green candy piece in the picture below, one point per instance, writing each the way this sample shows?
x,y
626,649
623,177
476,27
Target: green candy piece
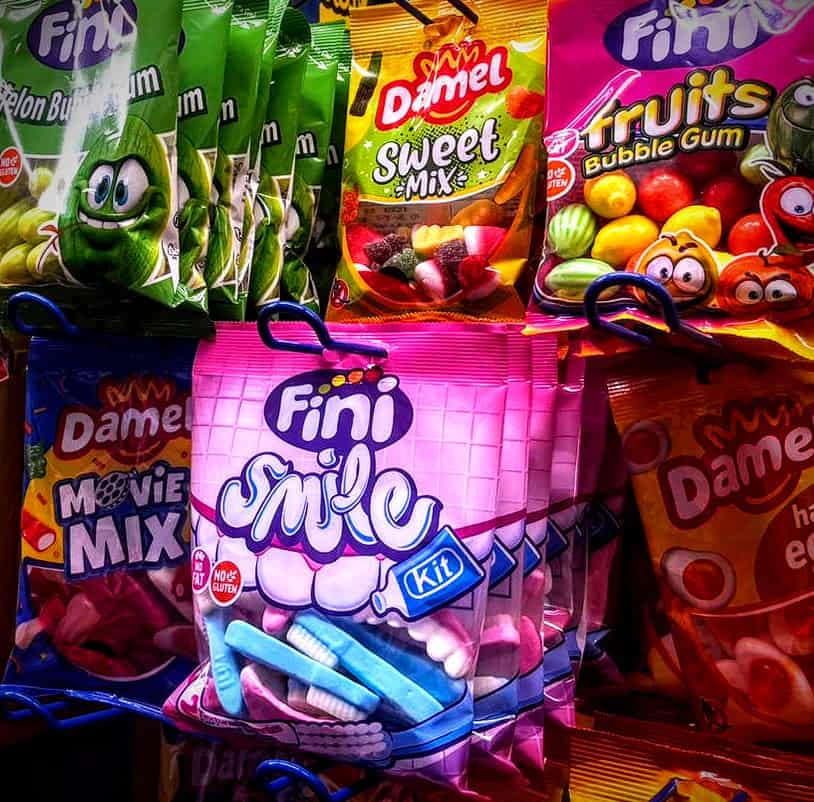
x,y
406,262
750,164
572,230
118,206
571,279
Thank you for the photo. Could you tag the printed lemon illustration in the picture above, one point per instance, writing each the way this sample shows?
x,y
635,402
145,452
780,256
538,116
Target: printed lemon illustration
x,y
193,204
117,208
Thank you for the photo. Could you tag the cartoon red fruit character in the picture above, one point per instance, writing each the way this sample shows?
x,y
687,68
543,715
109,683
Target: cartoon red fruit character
x,y
767,285
787,205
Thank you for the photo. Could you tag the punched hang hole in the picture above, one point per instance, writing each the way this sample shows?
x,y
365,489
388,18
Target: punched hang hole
x,y
411,9
465,10
367,86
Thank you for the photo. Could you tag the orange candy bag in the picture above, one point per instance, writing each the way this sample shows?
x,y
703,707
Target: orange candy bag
x,y
724,478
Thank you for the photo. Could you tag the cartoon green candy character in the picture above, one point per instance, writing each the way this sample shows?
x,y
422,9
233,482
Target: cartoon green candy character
x,y
117,210
791,127
193,201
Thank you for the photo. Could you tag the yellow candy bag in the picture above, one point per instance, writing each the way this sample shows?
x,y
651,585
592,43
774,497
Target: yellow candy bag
x,y
724,478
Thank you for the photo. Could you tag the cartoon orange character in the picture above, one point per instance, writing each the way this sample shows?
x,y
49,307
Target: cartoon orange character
x,y
684,265
767,285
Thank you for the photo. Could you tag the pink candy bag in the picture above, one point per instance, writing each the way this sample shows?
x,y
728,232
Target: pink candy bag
x,y
498,666
344,510
528,740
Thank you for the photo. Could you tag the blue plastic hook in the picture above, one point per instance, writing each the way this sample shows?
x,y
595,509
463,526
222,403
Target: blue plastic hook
x,y
279,775
666,793
653,290
20,299
31,705
327,343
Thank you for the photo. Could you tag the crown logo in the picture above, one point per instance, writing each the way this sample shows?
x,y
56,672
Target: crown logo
x,y
741,420
137,392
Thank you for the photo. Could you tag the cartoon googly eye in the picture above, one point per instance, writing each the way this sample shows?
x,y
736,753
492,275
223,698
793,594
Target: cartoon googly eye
x,y
749,292
99,184
660,268
646,445
792,628
780,291
131,184
689,275
804,95
703,579
797,201
775,684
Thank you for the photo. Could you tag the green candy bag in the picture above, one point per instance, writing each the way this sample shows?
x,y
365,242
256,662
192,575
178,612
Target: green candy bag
x,y
278,142
247,35
205,38
88,151
324,251
313,139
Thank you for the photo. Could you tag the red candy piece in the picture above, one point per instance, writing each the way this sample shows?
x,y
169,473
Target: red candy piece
x,y
523,104
390,287
358,237
750,234
471,271
703,165
731,196
663,192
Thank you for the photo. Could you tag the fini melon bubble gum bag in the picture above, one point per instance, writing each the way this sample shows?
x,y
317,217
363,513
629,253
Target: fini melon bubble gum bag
x,y
686,156
442,148
344,511
723,479
105,597
88,100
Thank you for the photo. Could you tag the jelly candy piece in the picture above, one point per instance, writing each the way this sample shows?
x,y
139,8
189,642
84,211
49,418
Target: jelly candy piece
x,y
427,239
435,282
450,254
471,271
358,238
523,104
483,240
380,251
404,262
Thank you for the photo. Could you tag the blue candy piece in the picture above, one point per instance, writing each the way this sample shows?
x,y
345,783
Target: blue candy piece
x,y
265,649
225,668
400,692
433,678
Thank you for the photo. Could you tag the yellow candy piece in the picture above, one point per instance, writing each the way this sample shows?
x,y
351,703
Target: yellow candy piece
x,y
623,238
428,239
703,222
722,258
611,195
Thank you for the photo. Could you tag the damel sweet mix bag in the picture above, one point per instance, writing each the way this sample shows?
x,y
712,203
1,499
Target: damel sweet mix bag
x,y
442,148
344,511
687,155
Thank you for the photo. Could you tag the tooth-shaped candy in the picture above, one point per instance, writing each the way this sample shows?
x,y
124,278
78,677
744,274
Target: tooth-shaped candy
x,y
81,616
483,686
286,577
234,549
333,591
275,620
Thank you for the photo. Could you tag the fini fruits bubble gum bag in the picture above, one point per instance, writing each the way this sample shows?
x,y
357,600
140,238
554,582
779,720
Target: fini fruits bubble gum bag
x,y
205,27
314,118
278,143
722,476
228,285
498,666
688,157
105,599
344,511
528,738
442,148
87,147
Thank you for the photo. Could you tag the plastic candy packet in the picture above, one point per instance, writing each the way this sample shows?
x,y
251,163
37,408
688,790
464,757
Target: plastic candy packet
x,y
344,510
721,472
278,143
315,115
441,149
528,739
87,137
200,91
324,250
686,157
498,666
105,598
229,261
